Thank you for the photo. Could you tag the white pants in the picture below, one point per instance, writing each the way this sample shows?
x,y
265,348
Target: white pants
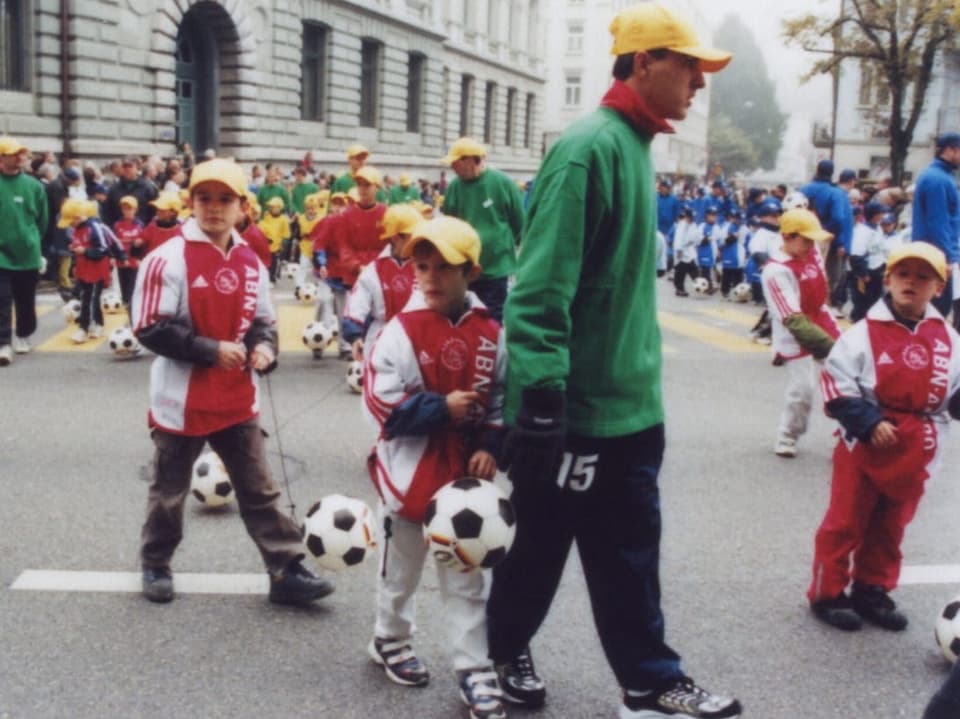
x,y
330,305
402,555
802,375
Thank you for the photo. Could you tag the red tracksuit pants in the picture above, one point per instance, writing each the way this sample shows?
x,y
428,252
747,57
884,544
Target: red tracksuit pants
x,y
864,521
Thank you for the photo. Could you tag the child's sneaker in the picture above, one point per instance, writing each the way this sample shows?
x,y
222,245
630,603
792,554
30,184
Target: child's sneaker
x,y
6,355
520,683
872,602
837,612
683,697
79,337
96,331
481,692
398,660
21,345
785,446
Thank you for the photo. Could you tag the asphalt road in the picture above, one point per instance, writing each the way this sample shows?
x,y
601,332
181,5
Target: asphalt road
x,y
738,532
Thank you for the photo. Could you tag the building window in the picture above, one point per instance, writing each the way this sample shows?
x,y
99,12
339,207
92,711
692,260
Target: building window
x,y
313,71
866,84
874,90
571,90
511,109
489,109
416,64
466,103
575,38
369,81
528,120
12,46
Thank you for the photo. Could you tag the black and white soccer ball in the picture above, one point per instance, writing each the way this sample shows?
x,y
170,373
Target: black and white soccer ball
x,y
289,270
469,524
741,292
338,531
795,200
355,376
210,483
306,293
111,303
701,287
317,335
947,630
123,342
71,311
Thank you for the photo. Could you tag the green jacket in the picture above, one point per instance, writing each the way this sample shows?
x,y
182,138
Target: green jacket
x,y
268,192
345,181
299,194
582,316
23,221
399,195
493,205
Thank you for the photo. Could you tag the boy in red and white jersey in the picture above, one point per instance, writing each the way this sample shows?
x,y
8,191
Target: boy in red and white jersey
x,y
891,381
434,385
202,304
165,224
129,230
796,292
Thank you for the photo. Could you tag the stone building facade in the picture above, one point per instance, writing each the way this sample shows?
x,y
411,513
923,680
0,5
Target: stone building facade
x,y
268,80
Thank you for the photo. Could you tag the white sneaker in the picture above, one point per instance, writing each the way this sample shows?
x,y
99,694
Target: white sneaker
x,y
96,331
21,345
785,447
79,337
6,355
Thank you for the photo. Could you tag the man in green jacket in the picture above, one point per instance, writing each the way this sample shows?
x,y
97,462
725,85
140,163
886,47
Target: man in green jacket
x,y
491,202
584,406
23,221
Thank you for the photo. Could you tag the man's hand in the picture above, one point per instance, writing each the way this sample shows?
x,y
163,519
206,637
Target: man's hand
x,y
533,448
230,355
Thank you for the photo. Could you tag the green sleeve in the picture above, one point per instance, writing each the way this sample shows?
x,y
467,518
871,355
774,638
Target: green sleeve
x,y
809,335
514,209
451,200
43,211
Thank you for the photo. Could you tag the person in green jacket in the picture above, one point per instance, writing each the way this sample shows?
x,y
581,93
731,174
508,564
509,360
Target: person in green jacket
x,y
302,188
273,187
584,409
357,156
23,221
404,191
491,202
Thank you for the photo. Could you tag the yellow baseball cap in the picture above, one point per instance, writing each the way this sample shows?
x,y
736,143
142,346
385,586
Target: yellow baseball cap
x,y
804,223
353,195
356,149
71,210
369,173
168,201
129,201
11,146
275,202
404,179
919,250
340,197
455,239
311,200
651,26
227,172
399,220
464,147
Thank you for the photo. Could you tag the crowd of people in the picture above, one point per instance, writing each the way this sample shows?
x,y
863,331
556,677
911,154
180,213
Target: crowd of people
x,y
464,373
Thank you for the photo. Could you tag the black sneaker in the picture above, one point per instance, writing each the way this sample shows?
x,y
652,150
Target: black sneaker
x,y
398,660
297,585
837,612
682,697
872,602
520,683
481,692
158,584
681,293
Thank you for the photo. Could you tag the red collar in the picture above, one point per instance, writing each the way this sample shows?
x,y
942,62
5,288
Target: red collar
x,y
629,104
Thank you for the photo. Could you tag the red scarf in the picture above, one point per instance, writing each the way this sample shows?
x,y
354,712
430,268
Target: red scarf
x,y
629,104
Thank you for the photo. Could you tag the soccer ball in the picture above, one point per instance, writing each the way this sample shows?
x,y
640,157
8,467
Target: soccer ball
x,y
123,342
742,292
290,270
948,630
316,335
355,376
306,292
338,531
469,523
701,287
71,311
210,482
111,303
794,200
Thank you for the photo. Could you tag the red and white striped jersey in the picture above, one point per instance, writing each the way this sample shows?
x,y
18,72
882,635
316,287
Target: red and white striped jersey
x,y
382,290
793,287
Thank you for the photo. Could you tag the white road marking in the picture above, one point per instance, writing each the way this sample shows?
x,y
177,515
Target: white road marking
x,y
45,580
930,574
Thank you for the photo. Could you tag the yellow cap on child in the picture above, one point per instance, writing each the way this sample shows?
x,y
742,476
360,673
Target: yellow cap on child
x,y
455,239
919,250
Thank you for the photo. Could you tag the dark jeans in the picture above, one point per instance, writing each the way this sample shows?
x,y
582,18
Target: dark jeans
x,y
242,450
18,289
680,272
731,277
90,308
128,280
836,267
493,293
872,291
609,505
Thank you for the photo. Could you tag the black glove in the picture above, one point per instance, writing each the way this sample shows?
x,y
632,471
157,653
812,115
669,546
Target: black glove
x,y
533,447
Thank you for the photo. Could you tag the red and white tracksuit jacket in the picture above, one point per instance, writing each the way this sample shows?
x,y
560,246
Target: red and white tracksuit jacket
x,y
796,287
420,350
190,296
350,240
382,290
910,376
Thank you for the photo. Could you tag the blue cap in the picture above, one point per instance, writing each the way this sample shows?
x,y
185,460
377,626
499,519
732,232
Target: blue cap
x,y
888,219
717,183
847,175
825,168
665,181
948,139
710,209
874,208
71,173
770,206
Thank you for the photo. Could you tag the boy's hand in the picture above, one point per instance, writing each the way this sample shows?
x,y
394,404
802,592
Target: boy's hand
x,y
261,358
357,349
482,465
463,407
230,355
884,435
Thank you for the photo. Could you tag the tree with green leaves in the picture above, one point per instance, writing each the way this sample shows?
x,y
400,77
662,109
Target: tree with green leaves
x,y
746,125
897,41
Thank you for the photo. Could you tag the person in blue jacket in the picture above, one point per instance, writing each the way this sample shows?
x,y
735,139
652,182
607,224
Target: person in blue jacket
x,y
668,206
936,211
832,206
